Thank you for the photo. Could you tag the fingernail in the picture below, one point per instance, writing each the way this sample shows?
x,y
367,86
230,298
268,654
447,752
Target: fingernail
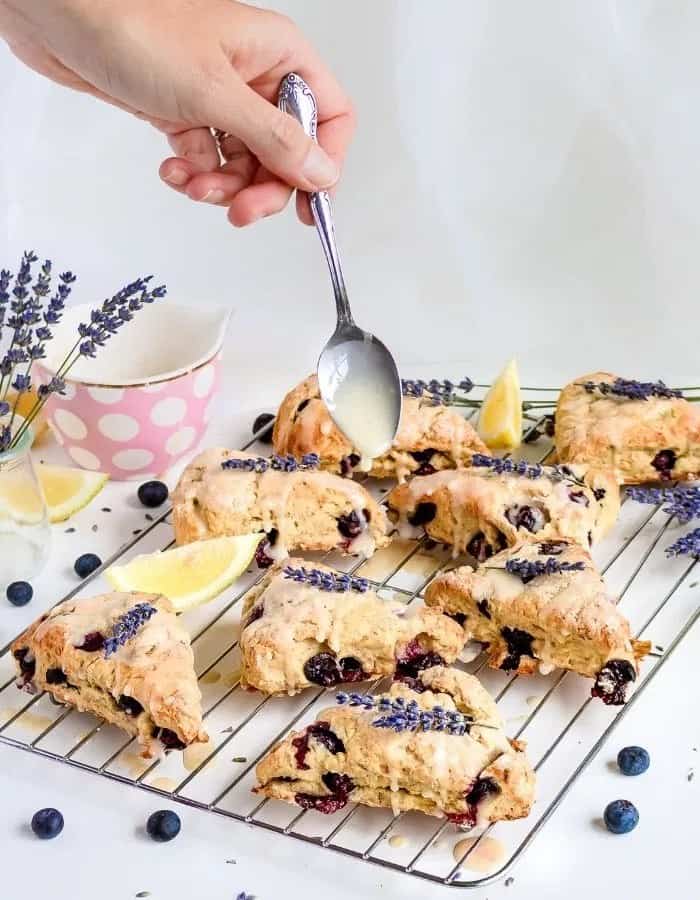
x,y
319,168
177,177
213,196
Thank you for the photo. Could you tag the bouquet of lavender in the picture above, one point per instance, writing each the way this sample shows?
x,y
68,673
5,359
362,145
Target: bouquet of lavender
x,y
26,317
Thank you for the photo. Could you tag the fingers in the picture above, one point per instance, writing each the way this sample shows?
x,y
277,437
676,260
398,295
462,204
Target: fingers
x,y
278,141
264,198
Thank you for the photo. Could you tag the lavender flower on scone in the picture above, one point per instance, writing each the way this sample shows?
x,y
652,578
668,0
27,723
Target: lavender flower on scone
x,y
526,569
523,469
632,390
401,716
29,324
437,392
688,545
326,581
683,502
277,463
127,626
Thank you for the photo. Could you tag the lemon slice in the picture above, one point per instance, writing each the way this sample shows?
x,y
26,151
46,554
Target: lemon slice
x,y
501,416
187,575
68,490
23,405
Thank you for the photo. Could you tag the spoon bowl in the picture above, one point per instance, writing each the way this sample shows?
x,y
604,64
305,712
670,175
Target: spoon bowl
x,y
357,375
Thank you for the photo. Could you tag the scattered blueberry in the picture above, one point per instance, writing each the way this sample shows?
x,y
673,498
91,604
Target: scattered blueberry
x,y
621,816
152,493
262,420
47,823
633,760
86,564
19,593
163,825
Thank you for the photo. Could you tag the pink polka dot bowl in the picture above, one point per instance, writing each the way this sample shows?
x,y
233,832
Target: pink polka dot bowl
x,y
145,401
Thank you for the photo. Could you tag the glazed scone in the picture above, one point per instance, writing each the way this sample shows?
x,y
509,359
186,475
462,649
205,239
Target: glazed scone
x,y
304,510
473,778
641,440
429,438
480,512
295,634
147,687
564,620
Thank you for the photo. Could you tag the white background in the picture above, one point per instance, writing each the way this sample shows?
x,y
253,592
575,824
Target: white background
x,y
524,182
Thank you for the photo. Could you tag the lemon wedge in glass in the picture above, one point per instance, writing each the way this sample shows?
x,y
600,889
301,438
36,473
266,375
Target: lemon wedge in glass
x,y
501,416
68,490
187,575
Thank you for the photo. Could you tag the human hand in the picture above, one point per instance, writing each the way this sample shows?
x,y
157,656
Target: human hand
x,y
188,66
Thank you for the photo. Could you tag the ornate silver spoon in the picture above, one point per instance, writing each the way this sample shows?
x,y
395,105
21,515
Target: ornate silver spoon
x,y
357,375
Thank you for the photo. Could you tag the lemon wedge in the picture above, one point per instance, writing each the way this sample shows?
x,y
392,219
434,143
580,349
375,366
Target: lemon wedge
x,y
501,415
68,490
188,575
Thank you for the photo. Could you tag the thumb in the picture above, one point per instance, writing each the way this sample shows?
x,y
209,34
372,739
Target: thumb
x,y
279,142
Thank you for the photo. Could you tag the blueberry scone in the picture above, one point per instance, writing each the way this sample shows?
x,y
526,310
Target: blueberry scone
x,y
544,604
429,438
306,626
642,431
296,508
123,657
481,511
471,774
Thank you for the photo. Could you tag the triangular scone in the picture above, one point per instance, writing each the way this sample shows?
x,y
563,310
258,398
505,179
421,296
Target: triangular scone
x,y
473,778
304,509
429,438
563,620
641,440
295,635
147,687
478,511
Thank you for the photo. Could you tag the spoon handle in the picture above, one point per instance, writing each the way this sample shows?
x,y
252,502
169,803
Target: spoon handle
x,y
296,98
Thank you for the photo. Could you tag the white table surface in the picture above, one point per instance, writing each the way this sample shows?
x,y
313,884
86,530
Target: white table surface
x,y
104,852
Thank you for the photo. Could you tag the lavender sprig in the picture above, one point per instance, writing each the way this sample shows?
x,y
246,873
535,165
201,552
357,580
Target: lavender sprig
x,y
688,545
127,626
28,342
277,463
683,502
437,392
526,569
327,581
401,716
632,390
523,469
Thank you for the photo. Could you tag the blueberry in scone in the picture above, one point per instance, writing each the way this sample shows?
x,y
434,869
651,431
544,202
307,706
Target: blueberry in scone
x,y
123,657
472,773
643,435
429,438
481,511
224,492
305,625
544,604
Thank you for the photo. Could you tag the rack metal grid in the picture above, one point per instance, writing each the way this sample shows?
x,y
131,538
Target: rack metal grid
x,y
564,728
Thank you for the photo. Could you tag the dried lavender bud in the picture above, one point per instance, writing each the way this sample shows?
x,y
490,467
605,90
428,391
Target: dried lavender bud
x,y
526,570
688,545
683,502
127,626
277,463
327,581
437,392
401,716
632,390
523,469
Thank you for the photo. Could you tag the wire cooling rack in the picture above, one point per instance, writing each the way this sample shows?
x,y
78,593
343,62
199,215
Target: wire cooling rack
x,y
563,727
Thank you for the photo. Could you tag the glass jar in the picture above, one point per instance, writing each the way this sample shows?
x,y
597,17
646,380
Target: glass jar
x,y
25,534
